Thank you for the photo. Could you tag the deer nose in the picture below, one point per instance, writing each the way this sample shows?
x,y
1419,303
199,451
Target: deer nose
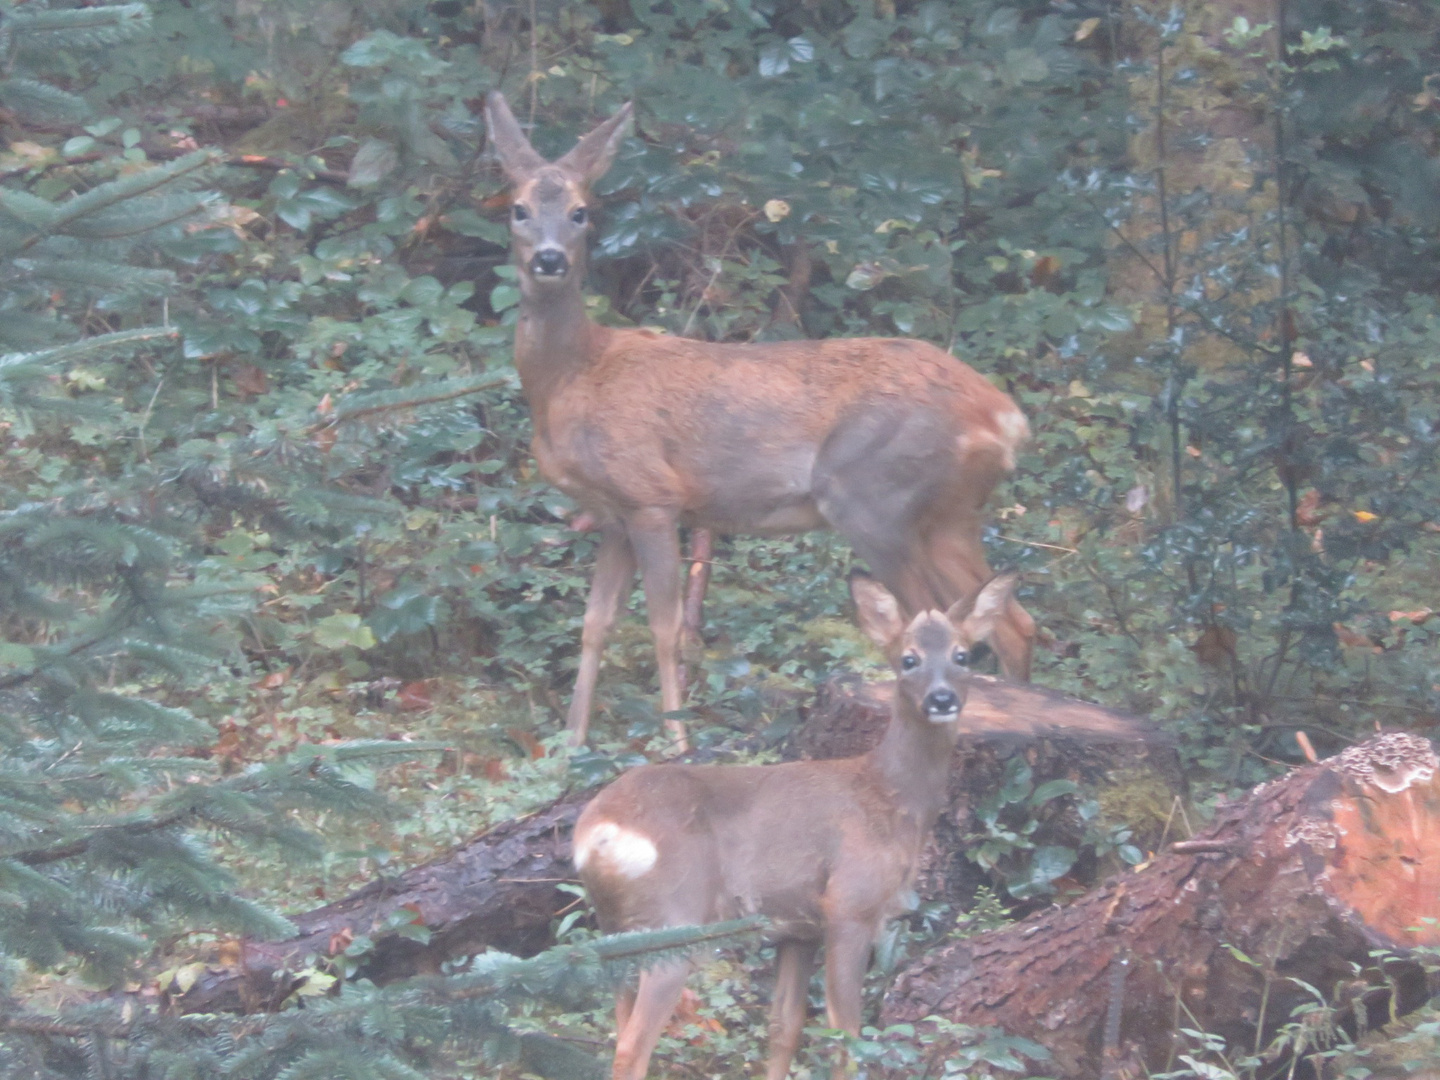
x,y
549,262
942,702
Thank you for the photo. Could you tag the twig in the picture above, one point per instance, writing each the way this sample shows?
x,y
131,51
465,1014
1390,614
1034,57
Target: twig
x,y
80,846
1204,847
1037,543
413,403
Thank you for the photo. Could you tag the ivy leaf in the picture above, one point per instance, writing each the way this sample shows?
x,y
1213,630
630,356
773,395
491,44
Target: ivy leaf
x,y
1053,789
405,611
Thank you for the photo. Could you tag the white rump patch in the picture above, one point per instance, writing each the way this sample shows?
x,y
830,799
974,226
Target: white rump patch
x,y
624,851
1014,430
1010,432
1013,426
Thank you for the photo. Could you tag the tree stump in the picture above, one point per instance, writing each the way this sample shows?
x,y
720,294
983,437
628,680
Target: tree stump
x,y
1304,877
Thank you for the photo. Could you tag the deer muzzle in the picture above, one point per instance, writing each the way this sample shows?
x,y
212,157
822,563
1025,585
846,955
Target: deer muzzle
x,y
941,705
549,263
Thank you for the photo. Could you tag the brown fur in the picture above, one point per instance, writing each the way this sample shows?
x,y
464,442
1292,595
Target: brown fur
x,y
826,850
654,420
892,442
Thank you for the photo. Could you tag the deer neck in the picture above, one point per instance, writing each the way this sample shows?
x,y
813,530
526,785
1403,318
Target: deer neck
x,y
913,761
554,338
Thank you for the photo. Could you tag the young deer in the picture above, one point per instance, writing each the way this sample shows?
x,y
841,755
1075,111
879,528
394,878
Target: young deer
x,y
892,442
824,849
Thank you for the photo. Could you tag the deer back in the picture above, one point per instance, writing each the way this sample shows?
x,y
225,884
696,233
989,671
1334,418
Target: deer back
x,y
670,845
737,435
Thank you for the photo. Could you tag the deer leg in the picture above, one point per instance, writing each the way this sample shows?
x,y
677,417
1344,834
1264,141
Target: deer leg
x,y
795,963
656,543
847,955
957,557
1014,641
891,557
624,1006
697,580
654,1002
876,479
614,574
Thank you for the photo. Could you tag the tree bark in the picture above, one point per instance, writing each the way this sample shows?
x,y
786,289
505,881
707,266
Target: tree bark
x,y
499,890
1304,877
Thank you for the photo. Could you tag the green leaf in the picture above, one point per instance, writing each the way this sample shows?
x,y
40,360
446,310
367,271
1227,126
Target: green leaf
x,y
1049,863
503,297
1053,789
373,161
404,611
774,60
422,291
341,630
1018,782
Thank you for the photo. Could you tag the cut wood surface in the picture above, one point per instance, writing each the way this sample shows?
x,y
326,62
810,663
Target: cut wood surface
x,y
499,890
1304,877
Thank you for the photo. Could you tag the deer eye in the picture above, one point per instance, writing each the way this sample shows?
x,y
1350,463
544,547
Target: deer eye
x,y
961,657
578,215
520,213
909,662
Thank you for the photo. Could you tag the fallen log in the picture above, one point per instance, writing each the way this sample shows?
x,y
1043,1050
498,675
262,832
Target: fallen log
x,y
499,890
1300,880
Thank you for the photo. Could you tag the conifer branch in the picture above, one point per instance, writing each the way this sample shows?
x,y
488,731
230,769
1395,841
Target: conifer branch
x,y
391,400
89,347
306,765
72,28
46,219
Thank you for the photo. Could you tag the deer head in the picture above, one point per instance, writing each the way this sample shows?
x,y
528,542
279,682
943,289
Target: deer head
x,y
930,654
550,201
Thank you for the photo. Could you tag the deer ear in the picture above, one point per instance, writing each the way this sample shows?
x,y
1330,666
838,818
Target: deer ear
x,y
876,610
593,154
517,157
976,621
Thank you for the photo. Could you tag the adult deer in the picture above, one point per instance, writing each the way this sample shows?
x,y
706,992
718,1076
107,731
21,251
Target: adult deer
x,y
825,849
892,442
